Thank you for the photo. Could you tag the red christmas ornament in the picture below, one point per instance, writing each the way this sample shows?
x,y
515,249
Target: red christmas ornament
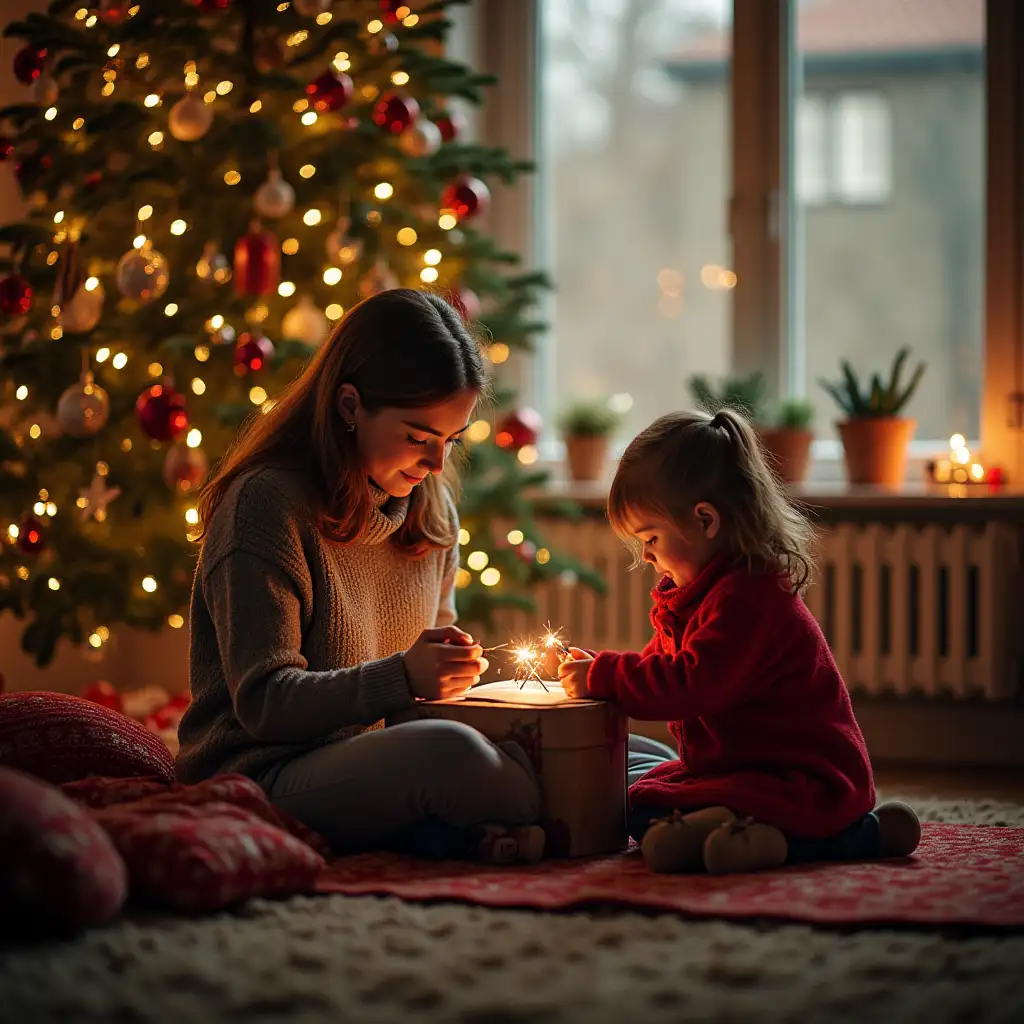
x,y
466,301
112,12
214,5
257,262
105,695
6,149
452,124
15,295
28,64
30,167
466,198
389,10
92,180
996,477
331,91
31,535
518,429
395,112
161,413
252,353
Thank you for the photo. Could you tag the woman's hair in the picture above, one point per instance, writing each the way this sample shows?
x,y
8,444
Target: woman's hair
x,y
402,349
687,457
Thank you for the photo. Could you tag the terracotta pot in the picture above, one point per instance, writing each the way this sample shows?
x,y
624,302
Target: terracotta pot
x,y
790,451
875,450
587,456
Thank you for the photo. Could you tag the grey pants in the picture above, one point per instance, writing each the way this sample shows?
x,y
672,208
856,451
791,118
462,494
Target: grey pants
x,y
362,792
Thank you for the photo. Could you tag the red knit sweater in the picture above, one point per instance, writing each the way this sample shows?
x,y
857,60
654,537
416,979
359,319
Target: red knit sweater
x,y
742,672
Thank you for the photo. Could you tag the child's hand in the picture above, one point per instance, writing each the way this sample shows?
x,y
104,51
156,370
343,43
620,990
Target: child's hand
x,y
572,673
444,662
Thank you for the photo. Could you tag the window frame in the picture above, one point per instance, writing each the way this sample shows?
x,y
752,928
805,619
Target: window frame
x,y
765,228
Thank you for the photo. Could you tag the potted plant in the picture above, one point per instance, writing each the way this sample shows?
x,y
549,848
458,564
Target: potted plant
x,y
788,439
875,436
745,393
587,426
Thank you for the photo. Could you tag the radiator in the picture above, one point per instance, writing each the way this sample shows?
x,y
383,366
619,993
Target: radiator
x,y
912,609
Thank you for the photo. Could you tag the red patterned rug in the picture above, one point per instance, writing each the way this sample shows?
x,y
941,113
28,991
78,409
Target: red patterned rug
x,y
961,874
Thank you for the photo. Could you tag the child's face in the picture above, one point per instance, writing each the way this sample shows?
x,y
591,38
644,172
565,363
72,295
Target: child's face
x,y
674,551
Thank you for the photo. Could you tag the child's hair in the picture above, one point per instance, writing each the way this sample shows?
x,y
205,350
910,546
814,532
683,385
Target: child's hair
x,y
401,349
687,457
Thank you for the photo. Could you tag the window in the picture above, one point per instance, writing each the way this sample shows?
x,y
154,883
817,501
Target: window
x,y
635,173
890,227
693,222
843,149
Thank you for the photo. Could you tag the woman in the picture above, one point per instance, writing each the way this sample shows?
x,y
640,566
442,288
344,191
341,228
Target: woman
x,y
324,600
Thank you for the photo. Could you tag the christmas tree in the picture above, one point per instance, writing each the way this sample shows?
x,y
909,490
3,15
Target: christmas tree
x,y
209,186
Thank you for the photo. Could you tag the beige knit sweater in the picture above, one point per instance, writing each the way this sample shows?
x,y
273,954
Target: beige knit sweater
x,y
296,640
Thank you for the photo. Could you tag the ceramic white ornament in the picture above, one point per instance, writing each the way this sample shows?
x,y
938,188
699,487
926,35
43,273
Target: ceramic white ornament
x,y
190,118
275,197
305,322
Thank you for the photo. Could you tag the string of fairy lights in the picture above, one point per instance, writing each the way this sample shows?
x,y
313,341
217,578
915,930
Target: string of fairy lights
x,y
188,119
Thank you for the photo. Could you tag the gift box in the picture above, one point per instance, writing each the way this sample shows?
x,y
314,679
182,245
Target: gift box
x,y
578,749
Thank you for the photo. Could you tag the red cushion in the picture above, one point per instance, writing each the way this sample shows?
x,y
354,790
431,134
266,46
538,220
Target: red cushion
x,y
206,856
58,868
98,791
61,738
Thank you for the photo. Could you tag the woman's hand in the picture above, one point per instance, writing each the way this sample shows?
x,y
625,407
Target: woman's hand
x,y
573,672
443,662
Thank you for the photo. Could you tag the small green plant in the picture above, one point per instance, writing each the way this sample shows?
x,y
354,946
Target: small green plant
x,y
589,418
794,414
745,393
878,400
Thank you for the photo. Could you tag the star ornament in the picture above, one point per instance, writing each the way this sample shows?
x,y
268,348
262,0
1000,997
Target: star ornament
x,y
94,499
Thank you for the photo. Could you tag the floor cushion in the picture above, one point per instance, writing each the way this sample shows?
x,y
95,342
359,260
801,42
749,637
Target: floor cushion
x,y
61,738
58,867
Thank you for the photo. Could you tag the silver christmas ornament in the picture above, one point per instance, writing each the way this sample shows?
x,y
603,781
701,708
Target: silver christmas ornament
x,y
142,274
275,197
421,138
83,408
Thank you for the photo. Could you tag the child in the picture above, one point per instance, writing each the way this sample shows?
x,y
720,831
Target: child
x,y
772,766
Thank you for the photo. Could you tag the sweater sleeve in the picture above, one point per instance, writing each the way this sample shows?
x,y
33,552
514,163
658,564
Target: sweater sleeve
x,y
256,610
716,669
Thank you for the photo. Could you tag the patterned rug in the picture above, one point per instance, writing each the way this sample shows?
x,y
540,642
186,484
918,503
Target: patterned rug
x,y
960,875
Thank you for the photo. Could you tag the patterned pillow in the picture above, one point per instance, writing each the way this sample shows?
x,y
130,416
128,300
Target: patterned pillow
x,y
61,738
202,857
58,868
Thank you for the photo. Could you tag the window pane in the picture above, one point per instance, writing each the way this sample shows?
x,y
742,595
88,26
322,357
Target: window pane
x,y
636,176
896,255
813,149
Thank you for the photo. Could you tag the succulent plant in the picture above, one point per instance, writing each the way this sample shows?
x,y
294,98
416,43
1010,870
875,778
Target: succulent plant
x,y
744,393
878,399
589,418
794,414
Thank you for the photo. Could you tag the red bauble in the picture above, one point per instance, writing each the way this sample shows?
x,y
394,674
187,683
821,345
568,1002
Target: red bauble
x,y
518,429
31,535
28,64
389,9
331,91
452,124
6,149
92,180
112,12
15,295
30,167
105,695
252,353
161,413
214,5
466,301
996,477
395,112
466,198
257,262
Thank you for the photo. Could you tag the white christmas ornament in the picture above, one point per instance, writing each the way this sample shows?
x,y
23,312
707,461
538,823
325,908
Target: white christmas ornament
x,y
421,138
142,274
341,247
305,322
275,197
190,118
311,8
94,499
83,311
83,408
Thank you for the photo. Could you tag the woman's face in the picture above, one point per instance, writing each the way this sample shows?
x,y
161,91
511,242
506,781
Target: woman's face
x,y
399,447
